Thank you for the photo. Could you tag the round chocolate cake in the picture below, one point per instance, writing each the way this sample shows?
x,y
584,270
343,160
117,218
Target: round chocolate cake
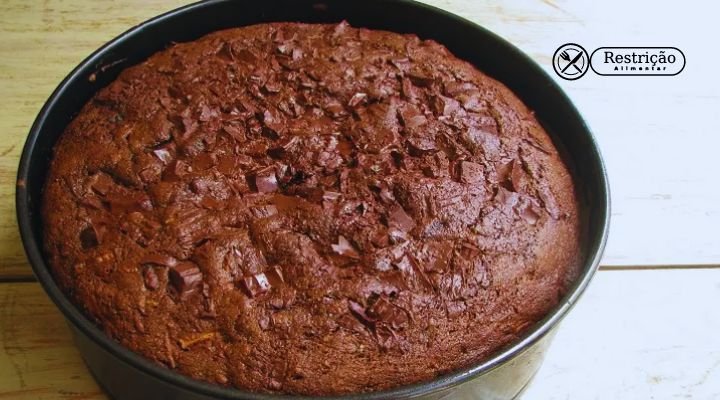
x,y
310,209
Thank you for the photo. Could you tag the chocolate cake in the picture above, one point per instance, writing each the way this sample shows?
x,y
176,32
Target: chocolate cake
x,y
310,209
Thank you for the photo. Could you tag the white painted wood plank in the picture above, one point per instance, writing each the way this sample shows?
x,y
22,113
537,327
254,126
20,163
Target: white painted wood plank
x,y
658,134
638,335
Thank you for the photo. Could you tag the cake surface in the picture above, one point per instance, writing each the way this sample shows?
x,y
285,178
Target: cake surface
x,y
310,209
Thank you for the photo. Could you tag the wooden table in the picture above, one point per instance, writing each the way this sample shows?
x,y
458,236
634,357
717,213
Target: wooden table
x,y
647,327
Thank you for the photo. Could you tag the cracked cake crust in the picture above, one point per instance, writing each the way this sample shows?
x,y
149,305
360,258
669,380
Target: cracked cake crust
x,y
310,209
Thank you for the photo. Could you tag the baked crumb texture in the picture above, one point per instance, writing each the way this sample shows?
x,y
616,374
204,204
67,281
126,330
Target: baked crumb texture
x,y
310,209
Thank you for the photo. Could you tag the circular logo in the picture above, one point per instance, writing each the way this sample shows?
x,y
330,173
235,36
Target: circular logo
x,y
571,61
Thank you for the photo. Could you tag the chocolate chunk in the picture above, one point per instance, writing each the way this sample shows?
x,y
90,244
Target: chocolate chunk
x,y
176,171
335,108
396,235
387,312
408,89
273,125
455,88
272,86
102,183
150,278
470,172
89,237
503,169
383,191
445,106
255,285
418,146
356,99
481,140
398,218
266,181
203,162
530,215
411,268
358,311
163,260
380,238
275,276
420,79
411,117
185,277
279,151
345,248
163,154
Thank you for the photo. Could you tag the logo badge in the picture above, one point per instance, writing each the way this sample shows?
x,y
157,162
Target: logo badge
x,y
571,61
637,61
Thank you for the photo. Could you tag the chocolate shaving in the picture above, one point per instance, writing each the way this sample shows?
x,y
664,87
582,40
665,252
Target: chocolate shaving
x,y
186,342
380,238
410,266
408,89
420,79
345,248
398,218
265,180
358,311
284,145
255,285
445,106
387,312
275,276
163,154
418,146
411,117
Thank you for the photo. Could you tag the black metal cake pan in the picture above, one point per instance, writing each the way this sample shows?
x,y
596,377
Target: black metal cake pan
x,y
126,375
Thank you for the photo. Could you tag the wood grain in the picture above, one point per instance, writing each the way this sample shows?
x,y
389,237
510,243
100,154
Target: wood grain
x,y
635,335
38,359
638,335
